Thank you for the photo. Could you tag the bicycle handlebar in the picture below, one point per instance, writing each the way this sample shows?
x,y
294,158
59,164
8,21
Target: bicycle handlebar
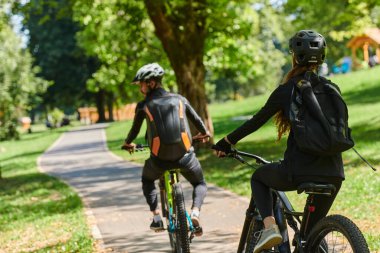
x,y
237,154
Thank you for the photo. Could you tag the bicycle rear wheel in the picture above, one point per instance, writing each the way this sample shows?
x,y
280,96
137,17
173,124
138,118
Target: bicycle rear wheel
x,y
181,233
336,233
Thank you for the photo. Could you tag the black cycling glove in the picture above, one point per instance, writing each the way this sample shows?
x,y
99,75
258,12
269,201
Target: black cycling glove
x,y
223,145
304,85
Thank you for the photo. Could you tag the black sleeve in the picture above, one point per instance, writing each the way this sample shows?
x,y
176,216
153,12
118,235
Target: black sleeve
x,y
137,122
276,102
194,117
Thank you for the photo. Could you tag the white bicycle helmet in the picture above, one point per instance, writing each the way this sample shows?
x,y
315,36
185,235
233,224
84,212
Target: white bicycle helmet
x,y
148,71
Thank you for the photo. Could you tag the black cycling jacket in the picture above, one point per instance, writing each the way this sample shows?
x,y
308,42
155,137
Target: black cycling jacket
x,y
296,162
140,114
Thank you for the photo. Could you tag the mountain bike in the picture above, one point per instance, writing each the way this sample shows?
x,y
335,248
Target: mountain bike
x,y
178,222
334,233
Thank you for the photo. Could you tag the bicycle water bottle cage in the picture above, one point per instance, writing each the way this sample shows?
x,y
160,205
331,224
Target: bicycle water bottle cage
x,y
316,188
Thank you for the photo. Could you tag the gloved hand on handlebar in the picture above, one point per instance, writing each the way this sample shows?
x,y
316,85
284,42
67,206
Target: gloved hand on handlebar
x,y
202,137
223,147
130,147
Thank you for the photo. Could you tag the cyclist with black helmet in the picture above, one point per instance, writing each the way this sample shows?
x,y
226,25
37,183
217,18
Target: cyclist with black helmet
x,y
169,138
308,53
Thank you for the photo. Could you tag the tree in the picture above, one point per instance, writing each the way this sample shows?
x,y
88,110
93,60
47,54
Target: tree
x,y
18,81
338,21
53,45
243,50
181,27
236,38
120,35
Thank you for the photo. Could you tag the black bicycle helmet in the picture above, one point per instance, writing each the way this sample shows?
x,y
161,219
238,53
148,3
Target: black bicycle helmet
x,y
308,47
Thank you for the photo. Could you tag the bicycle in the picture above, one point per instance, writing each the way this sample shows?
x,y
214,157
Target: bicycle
x,y
178,222
334,233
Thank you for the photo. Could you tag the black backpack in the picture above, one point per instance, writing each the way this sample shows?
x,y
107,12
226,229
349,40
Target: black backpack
x,y
319,117
168,132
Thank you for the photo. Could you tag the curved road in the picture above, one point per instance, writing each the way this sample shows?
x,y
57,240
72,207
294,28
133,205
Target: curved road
x,y
111,190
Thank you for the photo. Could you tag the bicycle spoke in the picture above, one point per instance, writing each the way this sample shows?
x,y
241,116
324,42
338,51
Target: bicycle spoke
x,y
335,242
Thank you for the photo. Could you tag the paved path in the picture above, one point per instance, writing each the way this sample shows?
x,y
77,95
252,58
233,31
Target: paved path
x,y
111,189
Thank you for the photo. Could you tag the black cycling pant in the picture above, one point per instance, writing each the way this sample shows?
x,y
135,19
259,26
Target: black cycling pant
x,y
274,176
189,167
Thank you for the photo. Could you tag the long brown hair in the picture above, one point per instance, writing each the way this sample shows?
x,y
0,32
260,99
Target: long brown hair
x,y
282,123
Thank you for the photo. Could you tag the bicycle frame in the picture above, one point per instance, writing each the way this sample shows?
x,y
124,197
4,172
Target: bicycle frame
x,y
170,178
283,211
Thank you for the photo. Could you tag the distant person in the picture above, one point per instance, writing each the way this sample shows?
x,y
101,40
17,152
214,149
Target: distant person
x,y
346,65
298,166
169,138
373,61
324,69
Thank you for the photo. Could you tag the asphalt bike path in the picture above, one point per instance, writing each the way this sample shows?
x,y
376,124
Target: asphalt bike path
x,y
110,187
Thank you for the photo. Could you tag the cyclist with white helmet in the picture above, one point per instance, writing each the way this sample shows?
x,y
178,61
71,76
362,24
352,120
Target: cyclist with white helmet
x,y
169,138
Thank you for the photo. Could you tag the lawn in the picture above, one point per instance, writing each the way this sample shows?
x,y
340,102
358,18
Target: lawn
x,y
358,198
38,213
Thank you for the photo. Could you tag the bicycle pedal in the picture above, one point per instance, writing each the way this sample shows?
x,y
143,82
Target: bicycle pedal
x,y
198,231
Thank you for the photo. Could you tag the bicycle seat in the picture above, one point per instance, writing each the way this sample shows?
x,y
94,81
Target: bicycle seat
x,y
316,188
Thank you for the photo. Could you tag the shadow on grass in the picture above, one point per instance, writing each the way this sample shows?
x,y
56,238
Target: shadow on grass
x,y
363,96
36,153
33,196
226,125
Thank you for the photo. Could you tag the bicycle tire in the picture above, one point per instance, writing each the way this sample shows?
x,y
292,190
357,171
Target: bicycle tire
x,y
182,238
252,237
335,233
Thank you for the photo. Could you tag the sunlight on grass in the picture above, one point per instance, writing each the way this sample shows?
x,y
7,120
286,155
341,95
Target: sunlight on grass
x,y
38,213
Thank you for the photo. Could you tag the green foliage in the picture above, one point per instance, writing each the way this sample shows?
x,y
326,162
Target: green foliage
x,y
337,20
19,86
57,116
53,45
240,52
120,34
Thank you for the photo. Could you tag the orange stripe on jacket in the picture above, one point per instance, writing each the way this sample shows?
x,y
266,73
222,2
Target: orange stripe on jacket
x,y
156,145
180,109
186,140
148,112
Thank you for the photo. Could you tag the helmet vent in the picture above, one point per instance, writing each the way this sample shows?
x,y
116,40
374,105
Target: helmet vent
x,y
314,44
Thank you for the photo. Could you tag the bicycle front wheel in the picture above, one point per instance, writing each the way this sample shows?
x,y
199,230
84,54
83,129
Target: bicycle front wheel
x,y
336,233
253,234
182,238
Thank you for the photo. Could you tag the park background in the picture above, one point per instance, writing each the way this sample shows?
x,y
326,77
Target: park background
x,y
224,56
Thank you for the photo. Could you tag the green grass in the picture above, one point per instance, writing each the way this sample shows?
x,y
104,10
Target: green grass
x,y
358,198
38,213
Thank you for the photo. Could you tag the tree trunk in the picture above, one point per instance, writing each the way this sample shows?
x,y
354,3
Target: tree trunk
x,y
100,102
183,37
110,98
